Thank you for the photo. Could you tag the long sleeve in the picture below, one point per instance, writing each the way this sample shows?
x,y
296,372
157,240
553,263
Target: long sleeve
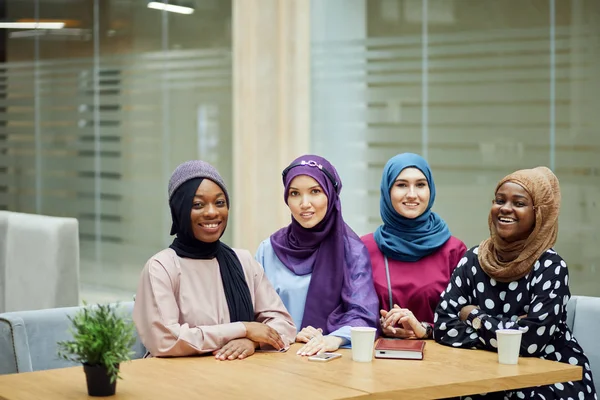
x,y
448,329
269,308
292,289
539,298
360,306
156,314
456,253
414,285
549,296
456,250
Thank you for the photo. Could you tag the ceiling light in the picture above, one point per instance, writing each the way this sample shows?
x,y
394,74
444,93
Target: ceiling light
x,y
170,7
58,34
32,25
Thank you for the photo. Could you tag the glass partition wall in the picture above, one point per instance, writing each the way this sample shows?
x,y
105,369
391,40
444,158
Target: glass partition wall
x,y
96,115
480,88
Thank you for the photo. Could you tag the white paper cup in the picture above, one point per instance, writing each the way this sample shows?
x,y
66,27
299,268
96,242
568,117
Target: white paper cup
x,y
509,343
363,341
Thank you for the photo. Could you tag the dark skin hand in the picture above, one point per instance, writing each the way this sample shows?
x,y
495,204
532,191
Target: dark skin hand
x,y
236,349
465,311
262,333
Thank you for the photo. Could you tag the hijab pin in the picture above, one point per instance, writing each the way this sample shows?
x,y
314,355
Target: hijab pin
x,y
311,163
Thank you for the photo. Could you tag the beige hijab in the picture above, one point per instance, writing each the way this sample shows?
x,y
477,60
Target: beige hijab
x,y
507,262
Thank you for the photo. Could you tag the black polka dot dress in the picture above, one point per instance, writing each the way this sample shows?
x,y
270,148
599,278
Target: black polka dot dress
x,y
541,295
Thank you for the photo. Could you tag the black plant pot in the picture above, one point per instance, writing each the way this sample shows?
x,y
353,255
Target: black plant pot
x,y
98,381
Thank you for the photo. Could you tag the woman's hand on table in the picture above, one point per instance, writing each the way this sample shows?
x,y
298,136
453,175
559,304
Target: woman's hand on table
x,y
307,333
320,344
236,349
263,333
401,323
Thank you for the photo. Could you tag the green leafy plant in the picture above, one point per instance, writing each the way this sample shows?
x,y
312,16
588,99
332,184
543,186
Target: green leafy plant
x,y
101,337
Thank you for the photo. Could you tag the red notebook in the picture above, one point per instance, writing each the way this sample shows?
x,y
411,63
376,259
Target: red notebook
x,y
399,348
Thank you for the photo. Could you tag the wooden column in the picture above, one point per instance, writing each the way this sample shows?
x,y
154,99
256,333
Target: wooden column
x,y
271,111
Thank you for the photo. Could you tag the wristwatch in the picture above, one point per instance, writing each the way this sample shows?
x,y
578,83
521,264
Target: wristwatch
x,y
428,330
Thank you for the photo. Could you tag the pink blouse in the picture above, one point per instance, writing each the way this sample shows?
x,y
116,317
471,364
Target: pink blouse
x,y
180,307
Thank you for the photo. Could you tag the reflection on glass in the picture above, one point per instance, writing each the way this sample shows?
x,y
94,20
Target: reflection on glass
x,y
481,88
96,116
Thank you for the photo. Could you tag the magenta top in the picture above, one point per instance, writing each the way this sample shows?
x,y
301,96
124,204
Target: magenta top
x,y
415,285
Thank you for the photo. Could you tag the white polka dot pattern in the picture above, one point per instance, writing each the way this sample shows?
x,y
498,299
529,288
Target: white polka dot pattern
x,y
540,331
573,361
480,287
532,348
547,285
541,297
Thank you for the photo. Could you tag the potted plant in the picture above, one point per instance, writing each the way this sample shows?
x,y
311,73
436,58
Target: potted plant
x,y
102,339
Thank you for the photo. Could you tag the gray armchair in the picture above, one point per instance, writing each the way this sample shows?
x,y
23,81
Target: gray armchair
x,y
583,317
28,339
39,262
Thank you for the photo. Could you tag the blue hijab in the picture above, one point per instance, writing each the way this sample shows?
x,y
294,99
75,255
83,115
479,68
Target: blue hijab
x,y
401,238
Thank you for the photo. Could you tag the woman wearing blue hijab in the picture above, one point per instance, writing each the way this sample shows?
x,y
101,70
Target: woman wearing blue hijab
x,y
413,253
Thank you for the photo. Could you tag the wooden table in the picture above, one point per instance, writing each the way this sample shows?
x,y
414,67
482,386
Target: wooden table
x,y
444,372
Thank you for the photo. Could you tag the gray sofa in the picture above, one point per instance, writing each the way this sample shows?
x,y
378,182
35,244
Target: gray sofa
x,y
28,339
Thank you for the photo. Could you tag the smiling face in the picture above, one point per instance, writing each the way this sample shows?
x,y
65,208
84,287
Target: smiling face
x,y
209,212
410,193
512,212
307,201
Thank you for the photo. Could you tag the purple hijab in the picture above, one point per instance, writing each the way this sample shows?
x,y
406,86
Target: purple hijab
x,y
332,252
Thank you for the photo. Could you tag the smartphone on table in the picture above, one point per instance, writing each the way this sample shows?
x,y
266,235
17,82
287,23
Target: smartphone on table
x,y
324,357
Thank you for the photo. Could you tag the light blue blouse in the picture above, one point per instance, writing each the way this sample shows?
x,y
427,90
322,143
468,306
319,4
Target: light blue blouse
x,y
292,288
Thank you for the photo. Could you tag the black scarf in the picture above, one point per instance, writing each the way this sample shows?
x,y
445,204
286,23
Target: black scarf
x,y
186,245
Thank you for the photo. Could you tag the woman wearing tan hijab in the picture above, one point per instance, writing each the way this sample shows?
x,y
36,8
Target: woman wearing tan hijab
x,y
515,280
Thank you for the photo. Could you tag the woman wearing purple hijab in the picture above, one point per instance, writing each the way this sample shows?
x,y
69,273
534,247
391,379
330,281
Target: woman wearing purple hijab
x,y
319,267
